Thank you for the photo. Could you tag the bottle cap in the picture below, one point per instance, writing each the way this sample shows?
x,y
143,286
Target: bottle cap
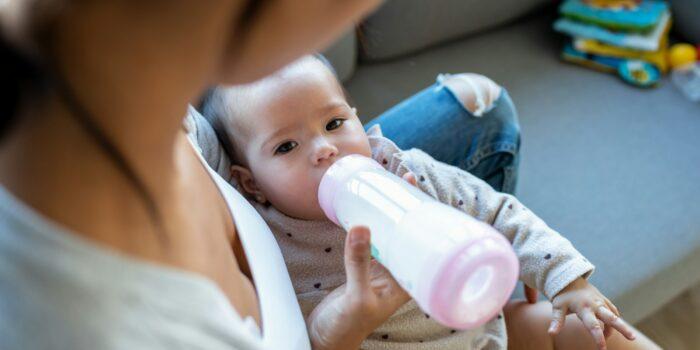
x,y
474,283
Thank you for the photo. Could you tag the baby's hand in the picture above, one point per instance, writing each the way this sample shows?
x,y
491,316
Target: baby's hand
x,y
410,178
594,309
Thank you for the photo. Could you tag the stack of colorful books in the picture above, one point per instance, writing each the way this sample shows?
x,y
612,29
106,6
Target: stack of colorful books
x,y
610,34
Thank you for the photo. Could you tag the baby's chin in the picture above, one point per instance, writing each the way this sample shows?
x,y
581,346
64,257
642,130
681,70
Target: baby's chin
x,y
311,213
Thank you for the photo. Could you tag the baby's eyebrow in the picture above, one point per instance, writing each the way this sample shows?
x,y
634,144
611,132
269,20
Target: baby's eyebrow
x,y
332,106
276,134
322,111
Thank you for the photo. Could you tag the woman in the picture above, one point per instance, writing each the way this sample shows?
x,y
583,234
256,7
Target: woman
x,y
113,232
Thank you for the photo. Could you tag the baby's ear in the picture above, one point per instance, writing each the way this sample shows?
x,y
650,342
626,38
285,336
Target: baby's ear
x,y
245,179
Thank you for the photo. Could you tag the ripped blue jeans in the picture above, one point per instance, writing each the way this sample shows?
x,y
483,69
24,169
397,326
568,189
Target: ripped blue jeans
x,y
434,121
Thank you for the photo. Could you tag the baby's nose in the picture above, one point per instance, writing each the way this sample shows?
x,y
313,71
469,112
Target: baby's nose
x,y
324,152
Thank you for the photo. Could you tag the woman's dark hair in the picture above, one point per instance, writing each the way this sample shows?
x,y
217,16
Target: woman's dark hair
x,y
21,77
25,79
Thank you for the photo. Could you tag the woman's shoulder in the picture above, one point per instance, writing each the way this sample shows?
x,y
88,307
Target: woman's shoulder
x,y
60,291
281,315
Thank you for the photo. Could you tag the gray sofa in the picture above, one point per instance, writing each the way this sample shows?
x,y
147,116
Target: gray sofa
x,y
614,168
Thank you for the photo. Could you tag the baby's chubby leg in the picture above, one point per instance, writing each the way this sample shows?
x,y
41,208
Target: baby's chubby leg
x,y
527,326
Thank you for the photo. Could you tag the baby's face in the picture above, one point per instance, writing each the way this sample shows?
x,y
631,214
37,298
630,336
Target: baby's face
x,y
300,124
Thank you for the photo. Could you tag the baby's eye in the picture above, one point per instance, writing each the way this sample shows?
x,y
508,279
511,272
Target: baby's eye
x,y
286,147
334,124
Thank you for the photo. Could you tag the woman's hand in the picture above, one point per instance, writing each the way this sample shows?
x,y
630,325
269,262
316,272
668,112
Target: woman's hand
x,y
594,309
352,311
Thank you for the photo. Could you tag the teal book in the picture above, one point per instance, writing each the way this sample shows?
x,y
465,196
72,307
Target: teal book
x,y
624,15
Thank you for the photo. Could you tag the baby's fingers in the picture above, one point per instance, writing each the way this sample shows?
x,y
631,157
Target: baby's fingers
x,y
607,331
612,308
590,321
530,294
410,178
357,260
558,317
611,319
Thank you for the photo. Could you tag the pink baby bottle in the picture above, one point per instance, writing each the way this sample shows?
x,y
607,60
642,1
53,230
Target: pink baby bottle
x,y
459,270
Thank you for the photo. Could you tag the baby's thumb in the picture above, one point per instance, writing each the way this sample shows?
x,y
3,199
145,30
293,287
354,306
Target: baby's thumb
x,y
357,259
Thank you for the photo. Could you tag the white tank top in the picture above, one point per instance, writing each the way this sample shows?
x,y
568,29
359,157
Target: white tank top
x,y
60,291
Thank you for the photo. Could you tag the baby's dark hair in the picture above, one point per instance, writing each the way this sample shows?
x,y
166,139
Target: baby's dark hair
x,y
215,108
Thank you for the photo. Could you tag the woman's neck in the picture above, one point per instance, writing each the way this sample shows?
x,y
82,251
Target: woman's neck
x,y
49,159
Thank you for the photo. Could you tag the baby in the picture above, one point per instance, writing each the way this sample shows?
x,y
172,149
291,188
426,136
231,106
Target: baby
x,y
284,131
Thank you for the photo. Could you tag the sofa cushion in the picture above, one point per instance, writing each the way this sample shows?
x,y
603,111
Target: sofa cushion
x,y
401,27
614,168
343,55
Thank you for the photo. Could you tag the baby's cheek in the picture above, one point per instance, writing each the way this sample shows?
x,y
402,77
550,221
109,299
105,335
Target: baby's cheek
x,y
293,193
356,142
